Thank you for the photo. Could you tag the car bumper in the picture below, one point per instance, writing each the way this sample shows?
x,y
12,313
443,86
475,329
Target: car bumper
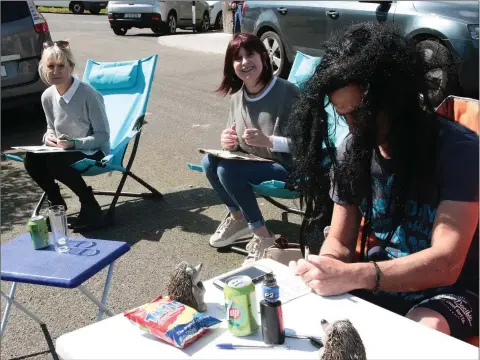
x,y
146,21
20,95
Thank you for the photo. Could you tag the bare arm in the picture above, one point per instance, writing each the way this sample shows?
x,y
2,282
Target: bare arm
x,y
440,265
342,237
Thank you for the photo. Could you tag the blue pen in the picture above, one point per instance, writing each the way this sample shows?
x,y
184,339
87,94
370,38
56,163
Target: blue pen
x,y
230,346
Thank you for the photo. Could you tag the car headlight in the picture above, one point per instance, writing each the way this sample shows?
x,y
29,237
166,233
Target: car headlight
x,y
473,31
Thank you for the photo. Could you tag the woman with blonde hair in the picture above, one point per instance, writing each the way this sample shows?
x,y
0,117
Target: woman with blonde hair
x,y
76,119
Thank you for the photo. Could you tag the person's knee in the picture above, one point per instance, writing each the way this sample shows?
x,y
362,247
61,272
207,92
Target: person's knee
x,y
31,163
209,163
227,172
430,318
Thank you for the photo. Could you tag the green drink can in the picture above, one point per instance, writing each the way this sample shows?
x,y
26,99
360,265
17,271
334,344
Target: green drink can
x,y
37,226
241,306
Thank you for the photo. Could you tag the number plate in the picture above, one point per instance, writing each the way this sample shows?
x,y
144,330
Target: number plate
x,y
132,16
3,71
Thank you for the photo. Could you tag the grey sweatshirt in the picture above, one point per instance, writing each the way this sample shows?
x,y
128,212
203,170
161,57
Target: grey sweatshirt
x,y
269,113
79,113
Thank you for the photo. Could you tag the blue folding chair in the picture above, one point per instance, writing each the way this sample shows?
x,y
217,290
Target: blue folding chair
x,y
125,87
302,69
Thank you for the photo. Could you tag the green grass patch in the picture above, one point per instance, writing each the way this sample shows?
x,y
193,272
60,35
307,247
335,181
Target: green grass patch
x,y
59,10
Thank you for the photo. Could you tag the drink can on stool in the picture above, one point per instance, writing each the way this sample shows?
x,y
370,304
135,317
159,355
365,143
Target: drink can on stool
x,y
37,227
241,306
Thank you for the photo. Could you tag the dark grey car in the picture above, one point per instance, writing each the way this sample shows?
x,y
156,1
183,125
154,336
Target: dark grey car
x,y
446,31
24,30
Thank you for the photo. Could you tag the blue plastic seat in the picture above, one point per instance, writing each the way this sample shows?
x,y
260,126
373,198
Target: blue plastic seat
x,y
302,69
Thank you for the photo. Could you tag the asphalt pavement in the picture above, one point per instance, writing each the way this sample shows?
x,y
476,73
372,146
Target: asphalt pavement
x,y
184,114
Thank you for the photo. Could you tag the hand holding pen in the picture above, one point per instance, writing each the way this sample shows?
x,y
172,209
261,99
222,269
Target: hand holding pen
x,y
65,142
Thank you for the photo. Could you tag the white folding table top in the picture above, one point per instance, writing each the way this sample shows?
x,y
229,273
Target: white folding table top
x,y
384,334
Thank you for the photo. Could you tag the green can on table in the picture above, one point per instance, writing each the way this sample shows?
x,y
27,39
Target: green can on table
x,y
241,306
37,227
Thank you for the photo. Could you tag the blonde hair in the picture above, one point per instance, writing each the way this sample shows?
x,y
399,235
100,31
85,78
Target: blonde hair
x,y
62,55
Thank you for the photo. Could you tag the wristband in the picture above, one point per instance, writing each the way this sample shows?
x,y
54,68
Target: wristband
x,y
376,289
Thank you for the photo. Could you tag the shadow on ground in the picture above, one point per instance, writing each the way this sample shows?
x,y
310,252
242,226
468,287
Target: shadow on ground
x,y
140,219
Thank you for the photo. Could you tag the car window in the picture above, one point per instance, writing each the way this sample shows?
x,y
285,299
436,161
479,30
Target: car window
x,y
14,10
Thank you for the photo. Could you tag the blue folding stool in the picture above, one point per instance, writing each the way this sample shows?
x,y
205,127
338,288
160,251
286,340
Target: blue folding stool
x,y
21,263
125,87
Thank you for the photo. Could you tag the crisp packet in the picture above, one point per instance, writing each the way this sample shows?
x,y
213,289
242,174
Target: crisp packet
x,y
171,321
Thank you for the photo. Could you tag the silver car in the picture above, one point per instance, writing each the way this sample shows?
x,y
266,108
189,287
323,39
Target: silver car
x,y
24,30
446,31
162,17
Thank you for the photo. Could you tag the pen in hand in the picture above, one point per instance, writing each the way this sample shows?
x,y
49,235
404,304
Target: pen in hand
x,y
230,346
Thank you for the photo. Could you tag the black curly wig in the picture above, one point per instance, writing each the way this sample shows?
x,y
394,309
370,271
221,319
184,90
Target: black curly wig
x,y
391,71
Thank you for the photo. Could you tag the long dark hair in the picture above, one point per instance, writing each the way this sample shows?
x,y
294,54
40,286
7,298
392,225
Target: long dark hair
x,y
379,59
231,83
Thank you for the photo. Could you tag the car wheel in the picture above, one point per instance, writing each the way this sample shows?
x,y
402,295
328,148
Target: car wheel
x,y
205,24
77,7
276,51
172,23
218,21
94,11
120,31
441,76
157,31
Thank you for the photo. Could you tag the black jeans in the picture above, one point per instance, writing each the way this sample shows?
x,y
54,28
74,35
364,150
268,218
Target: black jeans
x,y
44,169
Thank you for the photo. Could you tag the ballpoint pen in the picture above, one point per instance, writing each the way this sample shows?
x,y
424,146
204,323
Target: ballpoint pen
x,y
230,346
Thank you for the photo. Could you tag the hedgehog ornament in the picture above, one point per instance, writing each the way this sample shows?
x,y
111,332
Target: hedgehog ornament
x,y
341,342
185,286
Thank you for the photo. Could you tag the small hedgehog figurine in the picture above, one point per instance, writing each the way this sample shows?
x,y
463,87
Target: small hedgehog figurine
x,y
341,342
185,286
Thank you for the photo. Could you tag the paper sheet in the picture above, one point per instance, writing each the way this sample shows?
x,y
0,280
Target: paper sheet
x,y
233,155
44,149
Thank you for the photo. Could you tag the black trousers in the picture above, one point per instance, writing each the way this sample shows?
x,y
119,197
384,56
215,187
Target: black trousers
x,y
44,169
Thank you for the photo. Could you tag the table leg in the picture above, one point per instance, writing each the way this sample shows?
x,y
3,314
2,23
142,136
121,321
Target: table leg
x,y
95,300
48,338
105,291
7,309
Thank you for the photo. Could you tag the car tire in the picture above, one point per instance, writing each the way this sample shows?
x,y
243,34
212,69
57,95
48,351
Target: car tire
x,y
119,31
218,21
94,11
171,23
276,51
204,25
441,75
158,31
77,7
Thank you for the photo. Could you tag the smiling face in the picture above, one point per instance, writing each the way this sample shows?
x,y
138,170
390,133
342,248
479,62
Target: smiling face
x,y
57,72
248,66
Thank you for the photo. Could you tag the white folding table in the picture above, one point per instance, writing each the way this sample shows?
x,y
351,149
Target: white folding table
x,y
385,335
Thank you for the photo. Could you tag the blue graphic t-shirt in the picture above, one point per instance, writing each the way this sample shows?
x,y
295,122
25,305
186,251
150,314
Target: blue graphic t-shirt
x,y
456,179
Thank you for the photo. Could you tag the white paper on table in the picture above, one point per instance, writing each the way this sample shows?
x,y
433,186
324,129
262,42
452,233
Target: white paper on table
x,y
44,149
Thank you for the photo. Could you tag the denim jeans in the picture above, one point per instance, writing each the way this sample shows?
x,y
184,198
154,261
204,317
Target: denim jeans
x,y
231,180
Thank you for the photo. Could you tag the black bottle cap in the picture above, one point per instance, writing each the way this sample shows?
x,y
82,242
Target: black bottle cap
x,y
270,279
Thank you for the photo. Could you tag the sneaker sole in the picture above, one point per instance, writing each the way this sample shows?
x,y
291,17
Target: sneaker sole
x,y
223,243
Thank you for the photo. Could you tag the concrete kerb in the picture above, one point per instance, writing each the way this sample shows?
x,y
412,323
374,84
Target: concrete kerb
x,y
208,42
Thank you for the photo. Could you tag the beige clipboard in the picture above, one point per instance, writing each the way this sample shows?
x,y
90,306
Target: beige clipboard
x,y
233,155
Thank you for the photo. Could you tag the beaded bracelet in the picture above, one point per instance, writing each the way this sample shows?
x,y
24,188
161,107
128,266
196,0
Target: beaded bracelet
x,y
376,290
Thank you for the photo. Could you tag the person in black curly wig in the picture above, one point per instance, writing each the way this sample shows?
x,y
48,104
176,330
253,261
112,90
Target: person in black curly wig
x,y
412,176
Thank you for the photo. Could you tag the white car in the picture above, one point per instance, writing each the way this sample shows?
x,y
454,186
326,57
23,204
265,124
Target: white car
x,y
76,7
216,18
162,17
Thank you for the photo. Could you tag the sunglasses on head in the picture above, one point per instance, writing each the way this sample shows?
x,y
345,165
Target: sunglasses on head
x,y
60,43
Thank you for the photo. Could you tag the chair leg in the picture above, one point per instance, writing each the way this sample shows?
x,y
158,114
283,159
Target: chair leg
x,y
283,207
154,191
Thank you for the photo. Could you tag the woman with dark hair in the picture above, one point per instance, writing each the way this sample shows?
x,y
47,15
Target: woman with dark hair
x,y
411,175
259,108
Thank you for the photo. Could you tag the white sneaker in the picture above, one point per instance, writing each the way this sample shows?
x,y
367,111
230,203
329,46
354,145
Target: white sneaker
x,y
229,231
256,248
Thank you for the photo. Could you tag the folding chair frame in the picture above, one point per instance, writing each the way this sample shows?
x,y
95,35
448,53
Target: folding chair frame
x,y
110,215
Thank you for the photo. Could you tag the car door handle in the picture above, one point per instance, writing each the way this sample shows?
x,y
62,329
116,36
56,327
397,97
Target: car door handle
x,y
282,10
333,14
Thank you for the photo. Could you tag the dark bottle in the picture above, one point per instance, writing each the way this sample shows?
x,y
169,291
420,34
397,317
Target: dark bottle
x,y
271,312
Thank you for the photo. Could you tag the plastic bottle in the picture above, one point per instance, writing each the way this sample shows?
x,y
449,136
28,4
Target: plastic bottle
x,y
271,312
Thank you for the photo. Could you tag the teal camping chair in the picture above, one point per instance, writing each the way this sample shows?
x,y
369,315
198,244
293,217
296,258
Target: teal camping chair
x,y
302,69
125,87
